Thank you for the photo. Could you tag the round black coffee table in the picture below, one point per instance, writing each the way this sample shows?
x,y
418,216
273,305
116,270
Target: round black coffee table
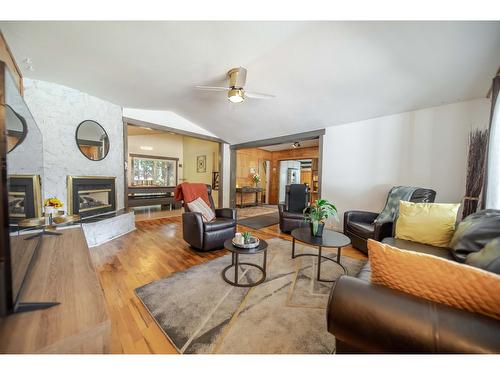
x,y
235,253
330,239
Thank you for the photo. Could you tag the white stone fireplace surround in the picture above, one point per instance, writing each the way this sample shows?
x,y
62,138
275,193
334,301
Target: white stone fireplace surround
x,y
57,111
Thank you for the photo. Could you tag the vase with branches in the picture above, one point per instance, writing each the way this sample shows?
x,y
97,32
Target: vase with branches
x,y
476,167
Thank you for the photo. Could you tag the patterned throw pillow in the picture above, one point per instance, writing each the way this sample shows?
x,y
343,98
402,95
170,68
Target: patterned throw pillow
x,y
435,279
199,205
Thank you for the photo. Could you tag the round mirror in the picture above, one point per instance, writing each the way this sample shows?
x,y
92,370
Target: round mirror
x,y
16,128
92,140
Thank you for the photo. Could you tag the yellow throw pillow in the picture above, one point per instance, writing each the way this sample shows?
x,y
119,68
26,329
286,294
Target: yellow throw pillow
x,y
428,223
435,279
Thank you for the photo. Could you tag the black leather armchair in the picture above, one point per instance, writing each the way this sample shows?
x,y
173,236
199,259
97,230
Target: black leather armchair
x,y
210,235
291,213
359,226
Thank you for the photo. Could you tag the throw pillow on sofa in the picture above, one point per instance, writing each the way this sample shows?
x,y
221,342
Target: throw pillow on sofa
x,y
427,223
199,205
435,279
475,232
488,258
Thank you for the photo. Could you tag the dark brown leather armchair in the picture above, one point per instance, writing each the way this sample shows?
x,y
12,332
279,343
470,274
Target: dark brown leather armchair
x,y
211,235
292,212
359,226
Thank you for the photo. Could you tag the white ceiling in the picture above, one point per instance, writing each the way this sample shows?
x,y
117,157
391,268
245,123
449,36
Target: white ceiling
x,y
289,146
323,73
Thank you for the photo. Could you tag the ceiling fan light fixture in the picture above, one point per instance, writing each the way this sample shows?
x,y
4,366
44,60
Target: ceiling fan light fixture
x,y
236,95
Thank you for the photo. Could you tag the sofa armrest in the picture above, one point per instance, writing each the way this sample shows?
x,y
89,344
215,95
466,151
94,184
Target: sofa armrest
x,y
192,229
376,319
228,213
360,216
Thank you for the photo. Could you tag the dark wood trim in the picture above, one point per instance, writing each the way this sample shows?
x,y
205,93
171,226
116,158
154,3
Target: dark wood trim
x,y
232,178
279,140
142,156
221,175
19,81
125,166
144,124
320,164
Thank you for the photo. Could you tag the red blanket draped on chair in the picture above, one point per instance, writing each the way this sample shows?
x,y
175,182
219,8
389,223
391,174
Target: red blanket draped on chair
x,y
189,191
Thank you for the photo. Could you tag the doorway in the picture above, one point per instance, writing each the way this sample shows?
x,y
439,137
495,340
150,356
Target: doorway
x,y
158,158
273,159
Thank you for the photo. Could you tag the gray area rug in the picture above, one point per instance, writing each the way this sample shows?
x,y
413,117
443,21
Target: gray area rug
x,y
200,313
260,221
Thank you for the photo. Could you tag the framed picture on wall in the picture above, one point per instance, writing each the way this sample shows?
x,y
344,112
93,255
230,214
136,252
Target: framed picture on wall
x,y
201,163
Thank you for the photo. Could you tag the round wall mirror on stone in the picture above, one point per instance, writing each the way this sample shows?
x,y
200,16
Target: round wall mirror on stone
x,y
92,140
16,128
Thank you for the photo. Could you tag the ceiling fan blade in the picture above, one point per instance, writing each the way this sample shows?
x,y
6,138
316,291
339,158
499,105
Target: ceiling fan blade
x,y
212,88
258,95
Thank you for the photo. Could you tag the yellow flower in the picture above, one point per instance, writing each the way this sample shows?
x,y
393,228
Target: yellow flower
x,y
53,202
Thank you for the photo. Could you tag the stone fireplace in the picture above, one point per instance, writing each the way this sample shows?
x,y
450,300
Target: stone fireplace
x,y
91,195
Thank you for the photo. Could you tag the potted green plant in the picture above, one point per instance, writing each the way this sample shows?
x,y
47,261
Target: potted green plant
x,y
317,213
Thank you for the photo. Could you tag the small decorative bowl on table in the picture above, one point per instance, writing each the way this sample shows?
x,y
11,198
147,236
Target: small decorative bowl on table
x,y
247,244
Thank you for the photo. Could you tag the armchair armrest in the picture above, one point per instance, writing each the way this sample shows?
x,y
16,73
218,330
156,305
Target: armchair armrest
x,y
383,229
360,216
228,213
192,229
375,319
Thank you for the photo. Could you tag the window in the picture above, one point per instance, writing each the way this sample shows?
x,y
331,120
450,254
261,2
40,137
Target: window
x,y
153,170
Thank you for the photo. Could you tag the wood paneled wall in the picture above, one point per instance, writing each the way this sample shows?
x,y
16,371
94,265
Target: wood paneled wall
x,y
7,57
253,157
245,160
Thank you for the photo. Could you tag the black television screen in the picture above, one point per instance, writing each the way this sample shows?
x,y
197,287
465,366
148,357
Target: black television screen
x,y
20,191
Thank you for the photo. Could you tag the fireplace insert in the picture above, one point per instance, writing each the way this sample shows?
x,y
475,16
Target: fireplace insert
x,y
91,195
24,196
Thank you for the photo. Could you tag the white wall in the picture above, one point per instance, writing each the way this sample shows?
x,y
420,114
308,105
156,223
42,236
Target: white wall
x,y
194,147
425,148
226,175
58,110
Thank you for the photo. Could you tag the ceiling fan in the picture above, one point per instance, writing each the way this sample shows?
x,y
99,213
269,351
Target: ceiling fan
x,y
236,92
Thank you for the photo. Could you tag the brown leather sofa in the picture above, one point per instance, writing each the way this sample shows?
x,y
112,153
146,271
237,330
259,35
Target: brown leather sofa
x,y
369,318
208,236
291,213
359,226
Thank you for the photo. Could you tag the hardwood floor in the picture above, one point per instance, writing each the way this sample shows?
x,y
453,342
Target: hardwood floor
x,y
153,251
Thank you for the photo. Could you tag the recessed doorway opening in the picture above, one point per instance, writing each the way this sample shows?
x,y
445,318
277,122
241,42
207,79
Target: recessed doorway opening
x,y
261,170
